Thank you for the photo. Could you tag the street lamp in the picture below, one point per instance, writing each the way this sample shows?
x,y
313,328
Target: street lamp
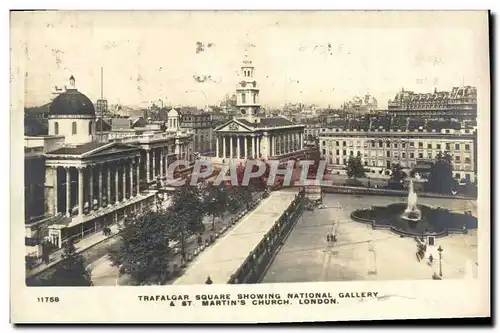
x,y
440,266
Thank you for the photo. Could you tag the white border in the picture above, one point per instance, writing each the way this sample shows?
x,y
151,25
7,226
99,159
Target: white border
x,y
196,5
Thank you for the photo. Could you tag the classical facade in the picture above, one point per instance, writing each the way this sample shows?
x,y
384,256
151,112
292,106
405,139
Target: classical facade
x,y
382,143
90,182
251,136
460,103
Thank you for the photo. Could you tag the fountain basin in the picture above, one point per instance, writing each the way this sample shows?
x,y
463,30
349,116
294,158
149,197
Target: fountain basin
x,y
435,221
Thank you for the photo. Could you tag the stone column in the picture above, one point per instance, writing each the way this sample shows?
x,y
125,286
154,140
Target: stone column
x,y
68,192
275,145
124,181
56,192
117,191
230,147
246,146
108,166
91,189
217,146
80,192
148,161
301,140
138,174
224,147
258,147
154,164
238,148
254,153
100,185
131,177
161,162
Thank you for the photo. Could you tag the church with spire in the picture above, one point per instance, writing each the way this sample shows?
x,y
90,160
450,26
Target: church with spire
x,y
251,135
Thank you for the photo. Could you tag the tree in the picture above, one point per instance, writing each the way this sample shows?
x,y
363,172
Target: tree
x,y
441,175
215,199
397,173
355,168
144,248
185,214
71,271
397,177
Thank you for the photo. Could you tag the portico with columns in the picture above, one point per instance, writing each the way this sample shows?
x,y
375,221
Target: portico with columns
x,y
94,185
239,139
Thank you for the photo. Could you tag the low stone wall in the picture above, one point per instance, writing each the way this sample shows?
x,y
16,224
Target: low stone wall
x,y
376,226
385,192
255,265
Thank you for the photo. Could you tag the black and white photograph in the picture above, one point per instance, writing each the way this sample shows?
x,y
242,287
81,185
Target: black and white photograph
x,y
210,149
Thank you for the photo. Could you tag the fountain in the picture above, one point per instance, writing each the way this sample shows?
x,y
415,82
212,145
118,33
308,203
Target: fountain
x,y
412,212
415,219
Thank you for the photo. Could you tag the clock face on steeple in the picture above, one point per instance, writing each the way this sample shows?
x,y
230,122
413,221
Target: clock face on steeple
x,y
243,83
243,112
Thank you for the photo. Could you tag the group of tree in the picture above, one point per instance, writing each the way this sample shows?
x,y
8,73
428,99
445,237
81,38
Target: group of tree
x,y
397,178
71,271
441,175
355,168
145,251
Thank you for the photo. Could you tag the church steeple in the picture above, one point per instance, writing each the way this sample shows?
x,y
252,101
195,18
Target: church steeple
x,y
247,92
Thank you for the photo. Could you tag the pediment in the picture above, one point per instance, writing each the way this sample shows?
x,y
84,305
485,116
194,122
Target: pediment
x,y
112,148
233,126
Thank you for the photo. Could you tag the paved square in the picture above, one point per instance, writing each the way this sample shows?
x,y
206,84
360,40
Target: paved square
x,y
362,253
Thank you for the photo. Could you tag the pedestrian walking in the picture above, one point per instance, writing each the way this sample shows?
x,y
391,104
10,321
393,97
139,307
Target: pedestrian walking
x,y
200,240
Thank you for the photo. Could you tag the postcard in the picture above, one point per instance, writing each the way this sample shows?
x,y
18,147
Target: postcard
x,y
249,166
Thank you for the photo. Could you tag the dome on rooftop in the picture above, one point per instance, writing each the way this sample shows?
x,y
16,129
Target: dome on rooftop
x,y
72,103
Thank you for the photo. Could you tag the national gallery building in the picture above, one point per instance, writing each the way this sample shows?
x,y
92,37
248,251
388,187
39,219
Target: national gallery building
x,y
77,181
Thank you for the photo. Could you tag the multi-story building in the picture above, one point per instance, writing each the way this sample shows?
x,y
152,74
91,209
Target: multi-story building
x,y
381,143
250,135
102,107
312,131
200,124
460,103
86,181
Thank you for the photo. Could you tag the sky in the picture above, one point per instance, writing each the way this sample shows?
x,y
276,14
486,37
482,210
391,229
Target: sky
x,y
309,57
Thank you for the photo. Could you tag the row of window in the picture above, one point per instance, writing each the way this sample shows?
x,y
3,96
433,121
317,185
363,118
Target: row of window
x,y
74,128
396,155
403,145
381,129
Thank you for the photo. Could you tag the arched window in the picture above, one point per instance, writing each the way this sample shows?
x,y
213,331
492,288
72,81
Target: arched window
x,y
90,127
243,98
56,128
73,128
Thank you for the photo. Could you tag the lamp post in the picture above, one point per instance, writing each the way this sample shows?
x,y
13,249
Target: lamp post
x,y
440,249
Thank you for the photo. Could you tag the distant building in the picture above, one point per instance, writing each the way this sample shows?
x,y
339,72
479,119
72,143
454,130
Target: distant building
x,y
101,107
459,103
363,105
197,122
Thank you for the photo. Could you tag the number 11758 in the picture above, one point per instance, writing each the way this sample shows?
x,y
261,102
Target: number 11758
x,y
48,299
